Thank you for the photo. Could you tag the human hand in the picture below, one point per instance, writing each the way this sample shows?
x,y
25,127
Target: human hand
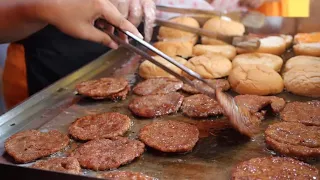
x,y
135,10
77,17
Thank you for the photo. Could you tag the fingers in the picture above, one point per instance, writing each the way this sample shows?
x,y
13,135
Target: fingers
x,y
149,9
113,16
95,35
122,6
123,36
135,12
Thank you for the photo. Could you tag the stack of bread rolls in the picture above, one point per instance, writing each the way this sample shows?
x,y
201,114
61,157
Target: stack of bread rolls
x,y
256,72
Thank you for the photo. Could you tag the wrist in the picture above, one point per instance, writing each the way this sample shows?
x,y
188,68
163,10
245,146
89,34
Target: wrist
x,y
33,11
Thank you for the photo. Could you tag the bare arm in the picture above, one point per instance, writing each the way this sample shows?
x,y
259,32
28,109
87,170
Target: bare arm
x,y
19,19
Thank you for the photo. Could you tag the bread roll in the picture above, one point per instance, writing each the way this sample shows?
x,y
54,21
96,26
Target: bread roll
x,y
222,26
256,80
307,44
148,70
166,33
211,41
272,45
215,66
270,60
227,51
308,49
288,39
303,80
175,48
300,61
307,38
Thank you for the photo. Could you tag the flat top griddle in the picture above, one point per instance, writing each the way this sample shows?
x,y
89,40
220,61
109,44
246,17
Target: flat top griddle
x,y
219,149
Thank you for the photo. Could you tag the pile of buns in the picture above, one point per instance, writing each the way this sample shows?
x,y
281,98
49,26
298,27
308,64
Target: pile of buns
x,y
259,72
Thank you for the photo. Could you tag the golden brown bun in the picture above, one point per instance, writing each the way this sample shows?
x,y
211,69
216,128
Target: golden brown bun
x,y
288,39
148,70
166,33
175,48
308,49
209,67
272,45
273,61
211,41
300,61
303,80
222,26
256,80
227,51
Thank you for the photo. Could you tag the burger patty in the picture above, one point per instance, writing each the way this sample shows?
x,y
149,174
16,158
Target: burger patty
x,y
103,87
156,105
274,168
239,115
27,146
255,103
157,86
200,106
122,95
66,165
105,125
294,139
125,175
170,136
217,83
304,112
102,154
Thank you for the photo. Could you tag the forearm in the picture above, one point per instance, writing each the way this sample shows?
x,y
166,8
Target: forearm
x,y
19,19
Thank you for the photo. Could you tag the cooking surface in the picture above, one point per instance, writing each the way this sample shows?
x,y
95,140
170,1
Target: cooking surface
x,y
219,149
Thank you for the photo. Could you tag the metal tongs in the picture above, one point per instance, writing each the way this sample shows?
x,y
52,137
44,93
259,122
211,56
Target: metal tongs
x,y
233,111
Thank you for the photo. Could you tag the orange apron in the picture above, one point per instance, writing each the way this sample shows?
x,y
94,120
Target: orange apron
x,y
15,86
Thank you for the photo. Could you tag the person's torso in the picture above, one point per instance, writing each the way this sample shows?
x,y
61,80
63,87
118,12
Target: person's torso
x,y
51,55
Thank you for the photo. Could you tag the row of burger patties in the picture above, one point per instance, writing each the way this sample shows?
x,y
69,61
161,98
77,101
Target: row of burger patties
x,y
260,72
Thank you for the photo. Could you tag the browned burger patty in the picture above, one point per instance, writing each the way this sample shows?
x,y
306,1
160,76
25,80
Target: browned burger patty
x,y
239,115
304,112
27,146
170,136
122,95
255,103
200,106
294,139
125,175
105,125
103,88
102,154
218,83
157,86
66,165
156,105
276,168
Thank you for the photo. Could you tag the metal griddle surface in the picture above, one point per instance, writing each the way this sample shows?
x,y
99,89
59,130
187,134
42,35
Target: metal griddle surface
x,y
219,149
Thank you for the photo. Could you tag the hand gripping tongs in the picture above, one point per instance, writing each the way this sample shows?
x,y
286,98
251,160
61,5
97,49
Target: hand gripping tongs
x,y
240,116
